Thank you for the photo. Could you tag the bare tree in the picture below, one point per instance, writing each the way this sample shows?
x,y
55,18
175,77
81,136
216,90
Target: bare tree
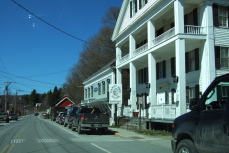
x,y
96,54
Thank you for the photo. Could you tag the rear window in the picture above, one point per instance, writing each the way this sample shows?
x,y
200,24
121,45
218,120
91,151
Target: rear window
x,y
90,110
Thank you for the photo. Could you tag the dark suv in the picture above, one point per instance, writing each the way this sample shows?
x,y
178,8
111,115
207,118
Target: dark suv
x,y
4,117
205,129
69,116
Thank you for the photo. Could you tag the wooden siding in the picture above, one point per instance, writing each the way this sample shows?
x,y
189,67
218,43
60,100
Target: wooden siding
x,y
221,37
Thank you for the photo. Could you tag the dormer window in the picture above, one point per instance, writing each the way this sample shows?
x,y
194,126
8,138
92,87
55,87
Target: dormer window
x,y
133,7
142,3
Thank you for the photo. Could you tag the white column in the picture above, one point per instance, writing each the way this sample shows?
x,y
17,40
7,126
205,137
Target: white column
x,y
112,122
119,76
208,61
132,44
119,81
118,55
133,97
179,16
151,33
180,72
152,98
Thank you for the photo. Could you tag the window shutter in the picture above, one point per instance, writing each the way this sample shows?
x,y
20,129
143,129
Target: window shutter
x,y
157,70
215,15
140,4
164,69
186,63
195,17
228,16
197,66
197,88
146,1
217,57
131,9
173,67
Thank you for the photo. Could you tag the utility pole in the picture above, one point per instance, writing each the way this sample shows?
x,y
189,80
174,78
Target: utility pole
x,y
15,105
6,94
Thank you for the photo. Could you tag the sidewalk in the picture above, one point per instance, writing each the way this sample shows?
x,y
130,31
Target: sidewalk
x,y
160,141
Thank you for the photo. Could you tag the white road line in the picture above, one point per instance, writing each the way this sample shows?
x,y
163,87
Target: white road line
x,y
63,128
101,148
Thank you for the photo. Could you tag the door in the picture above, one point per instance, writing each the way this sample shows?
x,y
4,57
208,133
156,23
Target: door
x,y
212,122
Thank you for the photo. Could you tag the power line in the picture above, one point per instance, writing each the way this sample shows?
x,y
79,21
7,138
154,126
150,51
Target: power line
x,y
56,27
29,79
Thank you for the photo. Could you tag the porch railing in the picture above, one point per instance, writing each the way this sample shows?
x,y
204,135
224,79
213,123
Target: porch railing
x,y
166,35
190,29
124,58
164,111
140,50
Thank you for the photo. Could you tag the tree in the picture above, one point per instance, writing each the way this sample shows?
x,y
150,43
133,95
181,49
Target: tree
x,y
96,54
33,98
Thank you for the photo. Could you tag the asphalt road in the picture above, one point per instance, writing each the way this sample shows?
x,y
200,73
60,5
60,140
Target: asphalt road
x,y
32,134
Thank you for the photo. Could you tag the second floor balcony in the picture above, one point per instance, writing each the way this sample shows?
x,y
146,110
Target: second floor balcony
x,y
188,29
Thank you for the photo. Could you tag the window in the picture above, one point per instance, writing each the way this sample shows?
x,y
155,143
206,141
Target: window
x,y
191,93
103,88
99,89
92,91
217,97
224,62
223,16
133,7
143,75
88,92
142,3
192,60
161,70
173,67
85,93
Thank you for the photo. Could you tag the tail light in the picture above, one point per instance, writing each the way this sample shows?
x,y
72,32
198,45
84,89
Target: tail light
x,y
70,117
82,117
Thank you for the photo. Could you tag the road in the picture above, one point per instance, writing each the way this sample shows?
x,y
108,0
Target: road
x,y
31,134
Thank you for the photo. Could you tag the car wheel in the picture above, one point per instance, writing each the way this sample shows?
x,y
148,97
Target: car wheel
x,y
73,128
65,124
186,146
69,126
79,129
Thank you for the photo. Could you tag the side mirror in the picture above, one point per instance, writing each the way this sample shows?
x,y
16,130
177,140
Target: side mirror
x,y
193,104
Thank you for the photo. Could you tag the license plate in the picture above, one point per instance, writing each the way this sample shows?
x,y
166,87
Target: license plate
x,y
97,125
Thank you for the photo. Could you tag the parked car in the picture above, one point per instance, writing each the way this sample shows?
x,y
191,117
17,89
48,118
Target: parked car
x,y
69,117
45,115
59,117
36,114
90,118
13,117
205,129
61,121
4,117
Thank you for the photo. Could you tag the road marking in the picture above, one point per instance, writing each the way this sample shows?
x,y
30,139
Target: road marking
x,y
17,141
101,148
99,139
4,149
10,149
47,140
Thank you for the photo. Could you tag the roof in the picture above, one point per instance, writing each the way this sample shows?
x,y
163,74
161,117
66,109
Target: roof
x,y
64,102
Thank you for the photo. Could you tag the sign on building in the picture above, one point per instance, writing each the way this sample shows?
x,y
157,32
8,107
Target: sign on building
x,y
115,93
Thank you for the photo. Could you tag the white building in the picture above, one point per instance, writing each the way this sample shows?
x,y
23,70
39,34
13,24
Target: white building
x,y
96,90
172,50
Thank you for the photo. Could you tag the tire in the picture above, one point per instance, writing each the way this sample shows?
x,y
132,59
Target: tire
x,y
69,126
73,128
79,129
186,146
65,124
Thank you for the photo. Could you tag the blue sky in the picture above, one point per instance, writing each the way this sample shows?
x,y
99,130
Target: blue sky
x,y
33,54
